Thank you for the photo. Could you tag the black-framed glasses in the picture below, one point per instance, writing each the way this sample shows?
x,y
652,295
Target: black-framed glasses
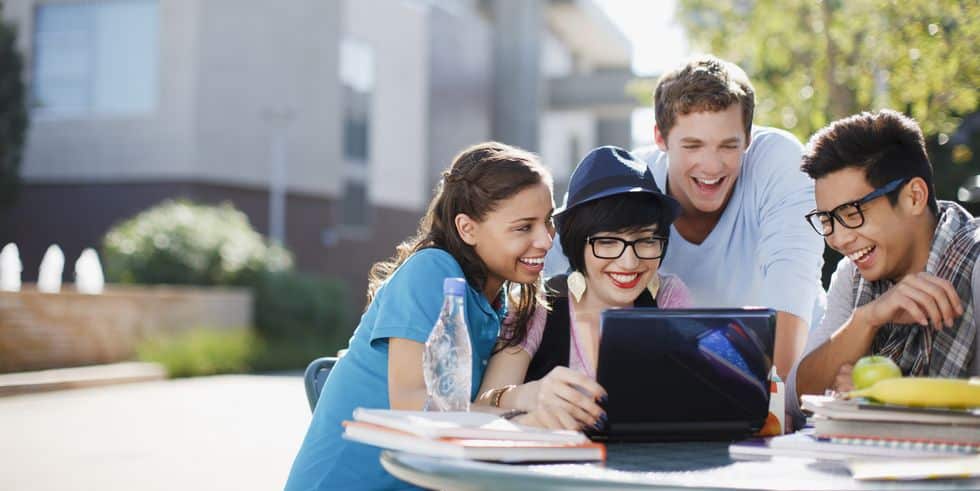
x,y
850,214
614,247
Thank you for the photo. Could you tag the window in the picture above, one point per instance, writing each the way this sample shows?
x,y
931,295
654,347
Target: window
x,y
357,81
95,58
357,86
355,203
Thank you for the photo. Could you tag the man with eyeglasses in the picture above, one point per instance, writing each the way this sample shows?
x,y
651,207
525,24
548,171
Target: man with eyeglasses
x,y
906,285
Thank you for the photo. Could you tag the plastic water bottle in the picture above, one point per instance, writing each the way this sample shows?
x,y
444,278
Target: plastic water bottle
x,y
447,359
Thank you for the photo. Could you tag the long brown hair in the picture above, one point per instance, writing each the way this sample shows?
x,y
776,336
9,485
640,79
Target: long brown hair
x,y
478,179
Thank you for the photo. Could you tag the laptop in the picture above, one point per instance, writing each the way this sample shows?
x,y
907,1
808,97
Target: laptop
x,y
685,374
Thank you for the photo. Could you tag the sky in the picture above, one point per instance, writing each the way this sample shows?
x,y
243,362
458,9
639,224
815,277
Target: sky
x,y
658,42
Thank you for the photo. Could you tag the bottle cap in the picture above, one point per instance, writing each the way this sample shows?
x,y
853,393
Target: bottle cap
x,y
454,286
773,376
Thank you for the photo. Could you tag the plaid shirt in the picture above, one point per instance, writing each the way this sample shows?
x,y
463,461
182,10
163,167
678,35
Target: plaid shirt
x,y
919,350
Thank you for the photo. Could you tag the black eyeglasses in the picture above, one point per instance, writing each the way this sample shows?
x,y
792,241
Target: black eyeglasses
x,y
850,214
614,247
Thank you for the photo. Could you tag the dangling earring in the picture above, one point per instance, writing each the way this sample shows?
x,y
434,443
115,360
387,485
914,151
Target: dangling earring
x,y
576,285
654,286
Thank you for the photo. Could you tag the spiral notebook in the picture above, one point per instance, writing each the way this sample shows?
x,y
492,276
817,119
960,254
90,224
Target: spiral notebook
x,y
953,437
804,444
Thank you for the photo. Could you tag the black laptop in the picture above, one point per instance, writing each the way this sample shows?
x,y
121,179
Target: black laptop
x,y
685,374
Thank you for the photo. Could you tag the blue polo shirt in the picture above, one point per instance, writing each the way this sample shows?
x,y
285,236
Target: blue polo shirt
x,y
405,306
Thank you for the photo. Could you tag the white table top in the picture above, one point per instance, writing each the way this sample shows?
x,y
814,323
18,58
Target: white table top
x,y
686,465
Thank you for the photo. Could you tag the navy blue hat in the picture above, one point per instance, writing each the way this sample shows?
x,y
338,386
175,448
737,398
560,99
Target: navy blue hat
x,y
608,171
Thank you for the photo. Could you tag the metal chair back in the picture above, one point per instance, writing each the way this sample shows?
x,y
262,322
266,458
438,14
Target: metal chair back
x,y
315,376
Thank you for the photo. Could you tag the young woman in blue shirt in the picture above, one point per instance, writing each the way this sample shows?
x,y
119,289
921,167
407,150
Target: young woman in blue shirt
x,y
490,222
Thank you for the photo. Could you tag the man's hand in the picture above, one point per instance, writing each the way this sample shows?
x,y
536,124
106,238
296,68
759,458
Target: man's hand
x,y
919,298
843,382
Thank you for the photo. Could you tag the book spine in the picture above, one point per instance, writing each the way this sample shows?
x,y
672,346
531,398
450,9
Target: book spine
x,y
910,444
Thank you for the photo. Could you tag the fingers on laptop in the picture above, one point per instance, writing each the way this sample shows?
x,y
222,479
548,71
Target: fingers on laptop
x,y
583,383
556,420
569,393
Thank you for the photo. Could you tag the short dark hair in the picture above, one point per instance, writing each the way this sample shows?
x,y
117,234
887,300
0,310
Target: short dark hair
x,y
705,83
887,144
617,213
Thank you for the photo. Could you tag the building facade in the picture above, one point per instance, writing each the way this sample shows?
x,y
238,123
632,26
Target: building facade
x,y
327,123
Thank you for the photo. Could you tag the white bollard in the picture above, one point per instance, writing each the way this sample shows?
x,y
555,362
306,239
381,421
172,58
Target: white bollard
x,y
10,268
88,273
52,265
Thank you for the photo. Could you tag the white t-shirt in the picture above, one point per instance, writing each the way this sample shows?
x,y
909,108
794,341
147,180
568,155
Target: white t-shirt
x,y
761,252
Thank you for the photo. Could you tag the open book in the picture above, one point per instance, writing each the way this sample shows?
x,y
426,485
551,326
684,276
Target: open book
x,y
468,435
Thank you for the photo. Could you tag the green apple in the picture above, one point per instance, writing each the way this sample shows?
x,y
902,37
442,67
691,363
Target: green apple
x,y
871,369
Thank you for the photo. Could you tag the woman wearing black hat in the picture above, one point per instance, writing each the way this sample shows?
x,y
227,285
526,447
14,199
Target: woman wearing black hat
x,y
613,229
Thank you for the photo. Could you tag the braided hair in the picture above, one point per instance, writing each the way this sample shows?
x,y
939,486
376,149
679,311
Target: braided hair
x,y
478,179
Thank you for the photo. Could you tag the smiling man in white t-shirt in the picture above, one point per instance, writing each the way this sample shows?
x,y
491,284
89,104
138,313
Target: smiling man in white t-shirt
x,y
739,239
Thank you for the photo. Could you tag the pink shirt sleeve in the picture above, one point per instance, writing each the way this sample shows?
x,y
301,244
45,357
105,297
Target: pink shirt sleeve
x,y
673,293
535,330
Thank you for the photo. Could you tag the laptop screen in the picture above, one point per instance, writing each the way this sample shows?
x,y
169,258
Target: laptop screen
x,y
685,373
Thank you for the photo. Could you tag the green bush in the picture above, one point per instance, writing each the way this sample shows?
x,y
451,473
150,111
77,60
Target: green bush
x,y
300,317
297,316
13,113
182,243
202,351
292,353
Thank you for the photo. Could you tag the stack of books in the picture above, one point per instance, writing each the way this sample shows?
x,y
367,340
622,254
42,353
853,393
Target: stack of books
x,y
843,430
468,435
861,422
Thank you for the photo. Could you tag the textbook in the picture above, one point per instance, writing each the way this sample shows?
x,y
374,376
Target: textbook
x,y
863,410
804,444
906,470
462,424
498,450
908,434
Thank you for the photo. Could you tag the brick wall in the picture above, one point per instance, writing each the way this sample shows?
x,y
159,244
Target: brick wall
x,y
51,330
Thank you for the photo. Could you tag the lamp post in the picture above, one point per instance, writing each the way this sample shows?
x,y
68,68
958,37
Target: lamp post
x,y
278,120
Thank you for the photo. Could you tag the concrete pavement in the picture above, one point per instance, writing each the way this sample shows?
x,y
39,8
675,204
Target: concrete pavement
x,y
226,432
79,377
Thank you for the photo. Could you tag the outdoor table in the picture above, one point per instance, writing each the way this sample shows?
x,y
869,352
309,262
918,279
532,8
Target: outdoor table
x,y
685,465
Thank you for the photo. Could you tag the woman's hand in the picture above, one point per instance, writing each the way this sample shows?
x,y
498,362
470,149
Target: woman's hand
x,y
562,399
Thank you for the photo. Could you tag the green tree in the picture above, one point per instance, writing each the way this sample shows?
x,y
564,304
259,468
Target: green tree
x,y
814,61
13,114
